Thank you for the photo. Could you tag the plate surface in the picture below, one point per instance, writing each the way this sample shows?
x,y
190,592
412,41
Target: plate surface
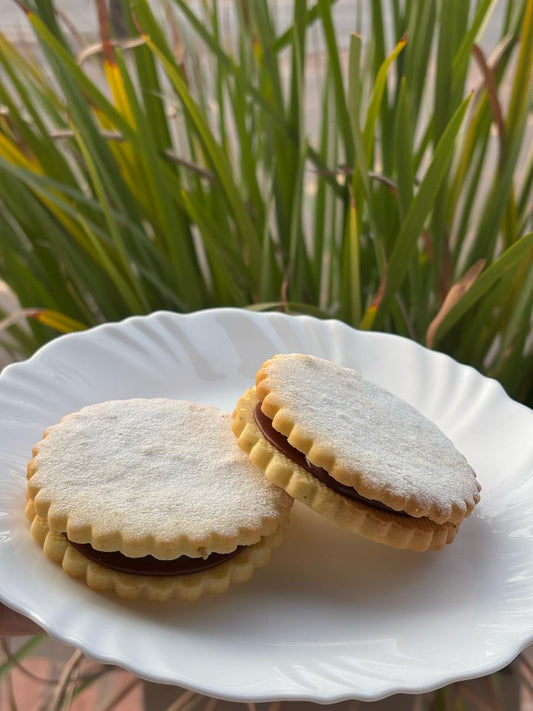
x,y
332,617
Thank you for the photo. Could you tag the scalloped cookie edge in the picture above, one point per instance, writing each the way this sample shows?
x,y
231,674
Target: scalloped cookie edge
x,y
285,422
417,534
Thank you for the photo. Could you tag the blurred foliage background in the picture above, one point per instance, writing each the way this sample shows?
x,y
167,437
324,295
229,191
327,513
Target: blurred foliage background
x,y
191,160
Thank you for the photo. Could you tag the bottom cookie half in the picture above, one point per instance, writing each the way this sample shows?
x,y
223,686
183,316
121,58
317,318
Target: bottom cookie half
x,y
188,587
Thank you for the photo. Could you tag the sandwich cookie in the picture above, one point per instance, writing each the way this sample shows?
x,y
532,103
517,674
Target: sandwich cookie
x,y
150,498
355,453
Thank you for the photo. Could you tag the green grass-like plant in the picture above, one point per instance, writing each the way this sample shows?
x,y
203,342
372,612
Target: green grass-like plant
x,y
194,160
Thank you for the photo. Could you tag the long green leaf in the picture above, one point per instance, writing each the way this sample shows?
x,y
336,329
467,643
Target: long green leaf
x,y
420,207
377,98
216,158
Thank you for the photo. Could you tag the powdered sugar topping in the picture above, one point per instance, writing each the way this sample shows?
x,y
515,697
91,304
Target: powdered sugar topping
x,y
154,468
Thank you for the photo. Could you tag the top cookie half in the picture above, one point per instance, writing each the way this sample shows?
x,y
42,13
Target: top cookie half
x,y
366,438
152,477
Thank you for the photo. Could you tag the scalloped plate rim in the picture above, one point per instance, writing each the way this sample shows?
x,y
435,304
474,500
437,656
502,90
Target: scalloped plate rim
x,y
514,647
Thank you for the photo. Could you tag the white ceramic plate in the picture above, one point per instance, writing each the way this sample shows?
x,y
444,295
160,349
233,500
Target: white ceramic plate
x,y
332,616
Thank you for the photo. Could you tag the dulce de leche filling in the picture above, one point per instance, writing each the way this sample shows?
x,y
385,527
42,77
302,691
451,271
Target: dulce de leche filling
x,y
148,565
281,443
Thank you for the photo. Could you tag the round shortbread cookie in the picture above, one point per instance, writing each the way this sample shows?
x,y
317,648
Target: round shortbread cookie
x,y
156,589
152,477
366,438
404,532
